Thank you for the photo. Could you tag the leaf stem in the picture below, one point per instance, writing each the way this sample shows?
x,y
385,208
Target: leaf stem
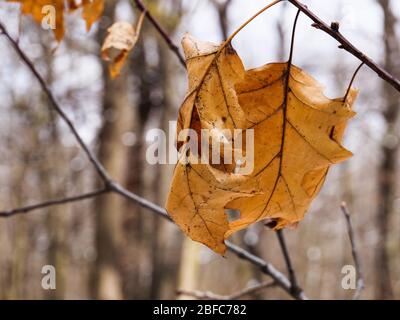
x,y
227,41
352,81
292,40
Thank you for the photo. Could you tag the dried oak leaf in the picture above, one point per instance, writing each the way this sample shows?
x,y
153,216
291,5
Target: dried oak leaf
x,y
121,39
197,198
297,133
91,11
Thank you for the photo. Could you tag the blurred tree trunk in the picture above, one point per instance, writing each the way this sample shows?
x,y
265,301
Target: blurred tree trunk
x,y
20,241
56,222
157,258
142,229
137,231
145,268
169,240
22,274
55,219
389,150
107,282
190,267
222,8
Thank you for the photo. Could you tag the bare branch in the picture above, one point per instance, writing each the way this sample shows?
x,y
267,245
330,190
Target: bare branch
x,y
280,279
174,48
235,296
51,203
141,201
354,252
294,286
347,45
98,166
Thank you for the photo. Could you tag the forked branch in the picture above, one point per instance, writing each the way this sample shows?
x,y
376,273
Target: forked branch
x,y
347,45
163,33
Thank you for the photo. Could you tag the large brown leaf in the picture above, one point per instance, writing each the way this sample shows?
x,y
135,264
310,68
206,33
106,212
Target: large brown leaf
x,y
197,198
297,132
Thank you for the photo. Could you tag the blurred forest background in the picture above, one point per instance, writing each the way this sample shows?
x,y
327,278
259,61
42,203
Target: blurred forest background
x,y
109,248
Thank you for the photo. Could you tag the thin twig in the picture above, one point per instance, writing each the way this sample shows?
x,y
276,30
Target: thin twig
x,y
97,165
354,252
112,186
51,203
252,289
174,48
352,81
347,45
207,295
222,10
115,187
281,280
294,286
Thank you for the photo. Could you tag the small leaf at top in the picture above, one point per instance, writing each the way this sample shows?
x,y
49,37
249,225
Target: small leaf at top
x,y
120,41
